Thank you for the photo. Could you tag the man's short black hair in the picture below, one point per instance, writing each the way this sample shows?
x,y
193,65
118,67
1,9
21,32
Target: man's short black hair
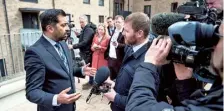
x,y
50,17
109,18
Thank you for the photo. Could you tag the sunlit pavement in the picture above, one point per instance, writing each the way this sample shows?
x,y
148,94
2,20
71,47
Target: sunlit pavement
x,y
18,101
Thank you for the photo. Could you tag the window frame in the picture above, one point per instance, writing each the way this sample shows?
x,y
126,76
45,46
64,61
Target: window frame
x,y
32,14
172,6
31,1
89,18
86,2
150,10
101,17
101,4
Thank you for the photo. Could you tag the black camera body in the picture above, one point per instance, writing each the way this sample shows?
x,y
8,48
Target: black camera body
x,y
192,43
193,39
79,61
192,8
200,13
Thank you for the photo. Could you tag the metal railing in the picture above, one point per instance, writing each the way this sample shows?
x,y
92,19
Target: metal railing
x,y
12,53
12,50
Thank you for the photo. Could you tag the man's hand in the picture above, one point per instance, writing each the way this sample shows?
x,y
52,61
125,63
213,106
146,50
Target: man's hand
x,y
109,81
64,98
110,95
70,46
158,52
182,72
89,71
115,43
77,33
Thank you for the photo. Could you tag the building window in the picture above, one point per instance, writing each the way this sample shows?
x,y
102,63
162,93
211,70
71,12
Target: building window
x,y
86,1
174,7
101,2
89,18
101,19
147,10
118,7
30,20
34,1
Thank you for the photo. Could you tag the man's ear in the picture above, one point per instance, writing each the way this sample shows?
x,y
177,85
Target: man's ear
x,y
140,34
50,28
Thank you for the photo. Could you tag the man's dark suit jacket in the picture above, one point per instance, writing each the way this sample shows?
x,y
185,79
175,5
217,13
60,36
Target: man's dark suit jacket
x,y
46,75
124,79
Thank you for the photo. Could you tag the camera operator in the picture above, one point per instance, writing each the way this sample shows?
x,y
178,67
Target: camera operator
x,y
143,92
218,4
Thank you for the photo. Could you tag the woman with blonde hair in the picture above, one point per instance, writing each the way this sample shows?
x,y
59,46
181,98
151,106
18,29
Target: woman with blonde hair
x,y
99,46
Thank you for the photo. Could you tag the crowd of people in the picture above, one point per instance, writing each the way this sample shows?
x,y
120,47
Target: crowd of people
x,y
141,77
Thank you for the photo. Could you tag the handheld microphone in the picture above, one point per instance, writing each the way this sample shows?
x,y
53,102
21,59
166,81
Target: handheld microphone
x,y
101,75
162,21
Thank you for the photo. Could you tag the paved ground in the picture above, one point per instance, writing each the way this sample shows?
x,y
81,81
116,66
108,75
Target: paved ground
x,y
18,102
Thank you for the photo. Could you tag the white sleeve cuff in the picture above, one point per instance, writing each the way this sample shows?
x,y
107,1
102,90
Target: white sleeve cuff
x,y
54,102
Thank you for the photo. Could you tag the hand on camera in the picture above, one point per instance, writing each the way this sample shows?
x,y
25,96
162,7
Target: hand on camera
x,y
158,51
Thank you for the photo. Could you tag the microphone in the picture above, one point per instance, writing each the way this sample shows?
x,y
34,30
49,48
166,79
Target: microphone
x,y
161,22
101,75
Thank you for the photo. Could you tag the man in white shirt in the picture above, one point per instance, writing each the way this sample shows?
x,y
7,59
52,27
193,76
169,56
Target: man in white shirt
x,y
115,51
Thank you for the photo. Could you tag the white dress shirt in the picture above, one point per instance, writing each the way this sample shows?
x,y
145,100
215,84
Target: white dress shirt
x,y
112,50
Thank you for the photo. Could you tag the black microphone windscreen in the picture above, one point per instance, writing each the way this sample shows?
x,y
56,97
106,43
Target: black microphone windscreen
x,y
101,75
160,22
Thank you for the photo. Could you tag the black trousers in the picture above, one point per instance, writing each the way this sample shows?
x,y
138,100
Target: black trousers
x,y
114,66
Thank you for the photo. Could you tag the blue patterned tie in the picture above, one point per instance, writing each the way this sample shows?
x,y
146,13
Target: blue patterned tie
x,y
62,55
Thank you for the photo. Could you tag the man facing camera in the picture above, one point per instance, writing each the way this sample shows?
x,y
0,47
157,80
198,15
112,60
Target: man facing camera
x,y
49,68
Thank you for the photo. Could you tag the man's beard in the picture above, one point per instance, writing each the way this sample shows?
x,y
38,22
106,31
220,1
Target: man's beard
x,y
133,41
61,37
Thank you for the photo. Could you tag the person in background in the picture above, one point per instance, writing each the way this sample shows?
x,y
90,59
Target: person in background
x,y
84,45
99,46
115,51
110,26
